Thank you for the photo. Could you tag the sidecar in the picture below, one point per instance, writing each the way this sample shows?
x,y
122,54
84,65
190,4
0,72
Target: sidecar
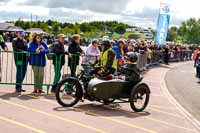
x,y
120,91
105,89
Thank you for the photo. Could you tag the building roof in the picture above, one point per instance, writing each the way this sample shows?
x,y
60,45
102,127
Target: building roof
x,y
34,30
14,28
5,26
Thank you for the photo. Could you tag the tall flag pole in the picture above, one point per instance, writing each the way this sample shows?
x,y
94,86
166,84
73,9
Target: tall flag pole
x,y
163,24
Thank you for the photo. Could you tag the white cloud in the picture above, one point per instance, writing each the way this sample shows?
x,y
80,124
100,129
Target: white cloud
x,y
134,12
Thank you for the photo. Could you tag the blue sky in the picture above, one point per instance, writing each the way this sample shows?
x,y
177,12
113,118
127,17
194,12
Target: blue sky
x,y
135,12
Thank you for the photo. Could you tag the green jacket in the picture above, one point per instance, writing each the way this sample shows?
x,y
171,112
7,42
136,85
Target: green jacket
x,y
1,39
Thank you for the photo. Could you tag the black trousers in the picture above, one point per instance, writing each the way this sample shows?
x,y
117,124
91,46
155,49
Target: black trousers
x,y
73,68
57,73
166,59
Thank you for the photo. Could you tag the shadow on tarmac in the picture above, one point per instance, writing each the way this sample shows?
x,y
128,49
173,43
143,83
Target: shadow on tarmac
x,y
8,96
101,110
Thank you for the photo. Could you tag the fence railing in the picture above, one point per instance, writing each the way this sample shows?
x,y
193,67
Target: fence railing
x,y
157,57
16,65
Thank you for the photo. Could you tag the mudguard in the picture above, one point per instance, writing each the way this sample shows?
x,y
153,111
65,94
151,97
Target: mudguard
x,y
142,83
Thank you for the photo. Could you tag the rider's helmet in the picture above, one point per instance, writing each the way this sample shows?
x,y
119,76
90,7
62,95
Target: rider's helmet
x,y
106,43
131,56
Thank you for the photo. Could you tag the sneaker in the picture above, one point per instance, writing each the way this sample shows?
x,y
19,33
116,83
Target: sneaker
x,y
41,91
23,90
20,90
53,89
35,91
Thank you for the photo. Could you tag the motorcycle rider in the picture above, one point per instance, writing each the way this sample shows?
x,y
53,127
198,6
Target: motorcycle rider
x,y
107,60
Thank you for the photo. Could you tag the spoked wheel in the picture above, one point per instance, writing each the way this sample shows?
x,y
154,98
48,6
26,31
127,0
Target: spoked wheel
x,y
139,98
68,93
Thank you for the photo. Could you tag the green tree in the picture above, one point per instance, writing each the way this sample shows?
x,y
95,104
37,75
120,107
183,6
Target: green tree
x,y
55,28
172,34
190,31
134,36
44,27
120,29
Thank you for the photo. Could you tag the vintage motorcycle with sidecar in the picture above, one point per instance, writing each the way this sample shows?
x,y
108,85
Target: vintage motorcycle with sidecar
x,y
88,86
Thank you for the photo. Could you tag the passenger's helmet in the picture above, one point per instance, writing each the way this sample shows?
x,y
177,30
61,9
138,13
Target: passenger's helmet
x,y
131,56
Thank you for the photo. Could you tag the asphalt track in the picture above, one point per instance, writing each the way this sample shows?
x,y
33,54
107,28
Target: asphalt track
x,y
183,85
30,113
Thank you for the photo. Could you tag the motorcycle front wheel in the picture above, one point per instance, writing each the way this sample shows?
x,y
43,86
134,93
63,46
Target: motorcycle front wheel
x,y
68,92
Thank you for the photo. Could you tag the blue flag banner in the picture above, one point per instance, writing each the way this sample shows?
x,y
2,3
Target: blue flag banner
x,y
163,24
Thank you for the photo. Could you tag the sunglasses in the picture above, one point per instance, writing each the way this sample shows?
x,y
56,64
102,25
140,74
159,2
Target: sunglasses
x,y
38,37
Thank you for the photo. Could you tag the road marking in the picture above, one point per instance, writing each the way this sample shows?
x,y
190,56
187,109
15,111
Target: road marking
x,y
155,120
161,107
54,116
157,110
117,121
185,113
157,95
163,122
152,119
103,117
21,125
150,81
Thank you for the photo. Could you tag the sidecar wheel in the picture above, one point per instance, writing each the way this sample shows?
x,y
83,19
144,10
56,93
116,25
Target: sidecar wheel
x,y
68,92
139,98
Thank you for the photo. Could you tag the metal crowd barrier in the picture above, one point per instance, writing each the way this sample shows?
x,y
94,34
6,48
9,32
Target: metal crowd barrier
x,y
157,57
184,55
8,68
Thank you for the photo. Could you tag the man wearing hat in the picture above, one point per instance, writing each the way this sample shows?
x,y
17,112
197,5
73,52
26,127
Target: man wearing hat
x,y
5,48
21,59
59,58
107,60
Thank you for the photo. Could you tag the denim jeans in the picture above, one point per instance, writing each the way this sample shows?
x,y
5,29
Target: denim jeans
x,y
87,69
20,75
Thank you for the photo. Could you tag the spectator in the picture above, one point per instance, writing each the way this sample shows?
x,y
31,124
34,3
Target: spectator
x,y
75,51
58,60
198,66
196,51
125,47
5,48
37,59
142,62
21,59
92,52
149,55
119,49
131,46
166,54
3,44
